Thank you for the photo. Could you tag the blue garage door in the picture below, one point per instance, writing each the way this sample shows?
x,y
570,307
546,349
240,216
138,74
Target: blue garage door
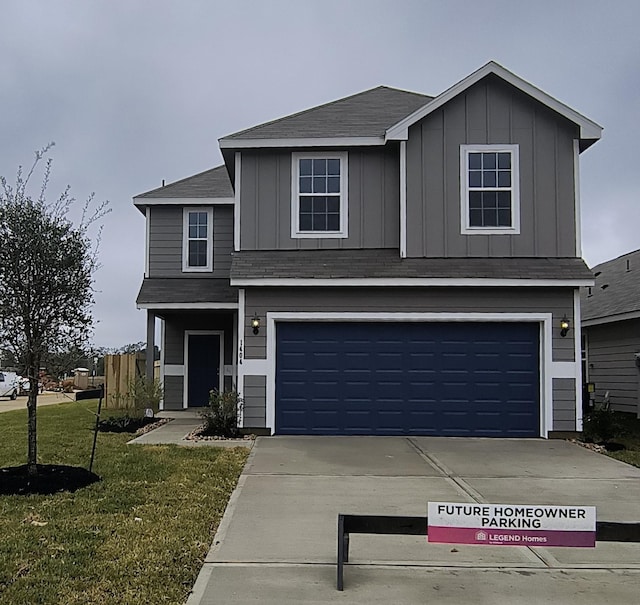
x,y
452,379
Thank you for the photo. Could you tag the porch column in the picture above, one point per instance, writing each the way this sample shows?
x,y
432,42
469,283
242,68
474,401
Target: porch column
x,y
151,336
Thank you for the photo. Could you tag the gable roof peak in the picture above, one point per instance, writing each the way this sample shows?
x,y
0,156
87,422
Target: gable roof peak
x,y
590,131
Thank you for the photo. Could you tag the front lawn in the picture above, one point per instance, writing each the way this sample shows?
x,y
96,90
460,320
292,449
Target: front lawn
x,y
628,435
138,536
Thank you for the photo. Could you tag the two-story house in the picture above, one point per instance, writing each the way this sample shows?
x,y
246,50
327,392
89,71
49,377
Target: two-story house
x,y
389,264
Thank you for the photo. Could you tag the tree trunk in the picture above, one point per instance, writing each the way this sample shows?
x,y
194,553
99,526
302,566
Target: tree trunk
x,y
32,455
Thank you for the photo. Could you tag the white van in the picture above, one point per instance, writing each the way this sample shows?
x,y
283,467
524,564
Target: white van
x,y
9,384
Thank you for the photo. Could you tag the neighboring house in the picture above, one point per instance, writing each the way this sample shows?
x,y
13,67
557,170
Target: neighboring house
x,y
389,263
611,329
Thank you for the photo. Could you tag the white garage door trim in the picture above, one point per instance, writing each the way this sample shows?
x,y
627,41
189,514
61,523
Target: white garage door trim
x,y
547,369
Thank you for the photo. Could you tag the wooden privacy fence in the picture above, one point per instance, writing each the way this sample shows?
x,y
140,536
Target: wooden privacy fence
x,y
119,372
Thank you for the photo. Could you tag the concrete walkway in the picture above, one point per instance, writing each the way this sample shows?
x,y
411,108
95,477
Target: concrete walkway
x,y
277,541
180,426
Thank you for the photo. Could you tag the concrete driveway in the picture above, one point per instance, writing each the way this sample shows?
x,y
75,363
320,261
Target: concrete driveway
x,y
277,541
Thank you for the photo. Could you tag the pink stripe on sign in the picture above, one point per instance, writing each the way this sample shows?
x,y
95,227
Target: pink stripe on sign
x,y
511,537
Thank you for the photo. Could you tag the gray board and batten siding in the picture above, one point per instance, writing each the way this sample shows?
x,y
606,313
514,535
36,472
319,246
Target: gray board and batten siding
x,y
373,200
165,241
491,112
611,363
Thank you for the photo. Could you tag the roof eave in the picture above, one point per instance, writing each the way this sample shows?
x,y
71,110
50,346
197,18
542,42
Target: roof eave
x,y
228,143
590,131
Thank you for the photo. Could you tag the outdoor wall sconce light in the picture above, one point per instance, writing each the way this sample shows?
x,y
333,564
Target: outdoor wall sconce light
x,y
564,326
255,324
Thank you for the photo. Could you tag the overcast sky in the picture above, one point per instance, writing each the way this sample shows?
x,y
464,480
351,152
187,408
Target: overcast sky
x,y
133,92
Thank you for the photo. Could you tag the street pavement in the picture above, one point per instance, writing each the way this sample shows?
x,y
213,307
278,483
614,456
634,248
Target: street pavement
x,y
46,398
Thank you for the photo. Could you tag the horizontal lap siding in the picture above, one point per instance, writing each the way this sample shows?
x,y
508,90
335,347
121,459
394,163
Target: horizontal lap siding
x,y
173,392
564,404
612,367
557,301
254,394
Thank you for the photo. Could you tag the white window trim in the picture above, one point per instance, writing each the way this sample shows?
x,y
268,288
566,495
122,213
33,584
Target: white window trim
x,y
465,228
185,239
295,195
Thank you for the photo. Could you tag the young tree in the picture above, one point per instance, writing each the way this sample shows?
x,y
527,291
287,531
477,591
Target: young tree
x,y
46,277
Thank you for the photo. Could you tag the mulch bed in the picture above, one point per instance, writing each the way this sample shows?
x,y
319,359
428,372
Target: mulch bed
x,y
127,424
601,448
198,435
50,479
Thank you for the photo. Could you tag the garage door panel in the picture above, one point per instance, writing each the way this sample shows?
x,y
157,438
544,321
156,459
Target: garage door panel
x,y
478,379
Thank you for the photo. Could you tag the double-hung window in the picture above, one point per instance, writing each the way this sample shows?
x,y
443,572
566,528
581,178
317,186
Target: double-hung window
x,y
197,247
489,178
319,195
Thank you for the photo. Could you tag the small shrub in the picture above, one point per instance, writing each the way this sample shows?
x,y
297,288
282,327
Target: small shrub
x,y
600,425
221,415
142,394
146,394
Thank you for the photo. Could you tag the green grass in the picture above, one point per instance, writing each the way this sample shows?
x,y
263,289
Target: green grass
x,y
138,536
629,436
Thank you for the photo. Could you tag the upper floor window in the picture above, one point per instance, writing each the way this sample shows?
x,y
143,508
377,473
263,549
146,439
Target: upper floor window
x,y
319,195
197,239
489,178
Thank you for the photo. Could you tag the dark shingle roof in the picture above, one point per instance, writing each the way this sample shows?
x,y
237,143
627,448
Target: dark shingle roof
x,y
210,183
186,290
617,289
366,114
355,264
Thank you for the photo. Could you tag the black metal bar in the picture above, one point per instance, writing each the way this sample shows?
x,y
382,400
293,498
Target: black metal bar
x,y
385,524
95,431
91,394
339,580
611,531
606,531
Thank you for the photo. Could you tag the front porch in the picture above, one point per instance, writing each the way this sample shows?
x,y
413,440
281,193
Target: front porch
x,y
198,352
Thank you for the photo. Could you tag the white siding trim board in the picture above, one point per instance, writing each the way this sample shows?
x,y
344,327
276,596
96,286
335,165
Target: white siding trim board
x,y
147,229
548,369
162,368
301,142
577,343
186,306
174,369
403,199
240,347
236,201
183,201
407,281
576,196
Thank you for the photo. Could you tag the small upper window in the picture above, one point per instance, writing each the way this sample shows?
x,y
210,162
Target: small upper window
x,y
489,179
197,249
319,191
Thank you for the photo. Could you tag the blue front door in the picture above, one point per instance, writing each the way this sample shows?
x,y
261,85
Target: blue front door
x,y
203,372
416,378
